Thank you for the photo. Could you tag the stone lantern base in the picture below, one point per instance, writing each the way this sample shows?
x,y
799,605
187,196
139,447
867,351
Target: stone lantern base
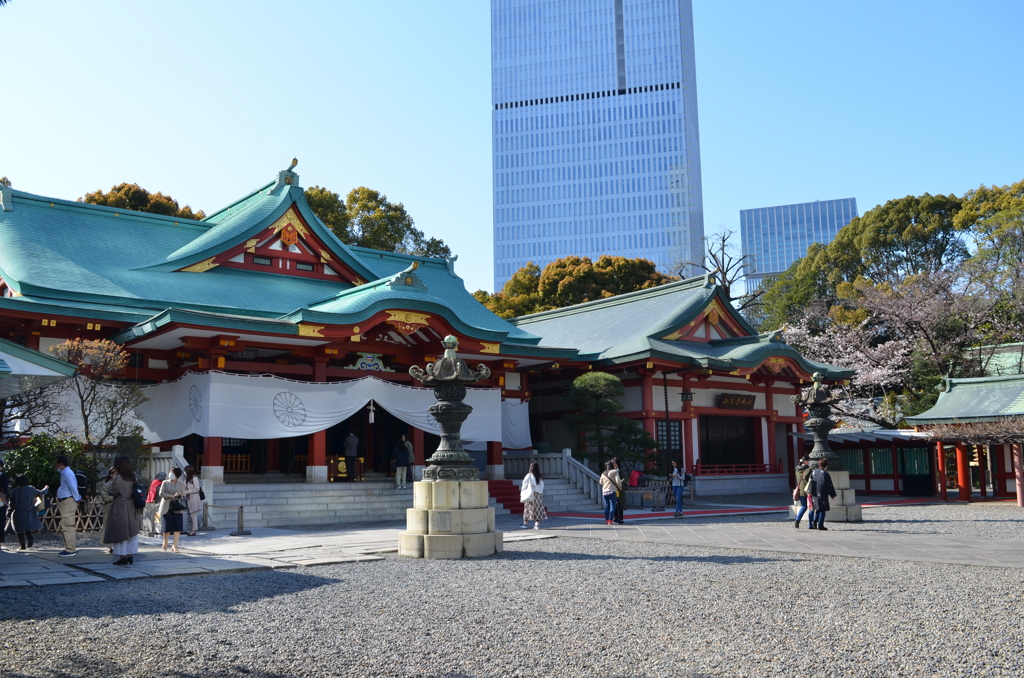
x,y
844,508
450,519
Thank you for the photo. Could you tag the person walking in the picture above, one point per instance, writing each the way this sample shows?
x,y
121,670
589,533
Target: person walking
x,y
5,496
531,495
103,489
67,499
351,452
620,494
24,515
401,455
193,486
151,517
172,507
820,491
123,523
611,485
412,455
677,478
803,478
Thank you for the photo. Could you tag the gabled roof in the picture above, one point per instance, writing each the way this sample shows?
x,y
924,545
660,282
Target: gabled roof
x,y
646,324
23,369
976,400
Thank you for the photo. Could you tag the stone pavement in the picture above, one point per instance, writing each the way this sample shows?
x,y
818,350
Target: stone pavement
x,y
218,551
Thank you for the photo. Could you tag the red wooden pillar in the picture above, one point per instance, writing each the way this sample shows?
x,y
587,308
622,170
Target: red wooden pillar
x,y
317,455
418,447
963,472
647,401
895,468
688,428
1018,471
495,462
769,404
213,464
940,450
982,466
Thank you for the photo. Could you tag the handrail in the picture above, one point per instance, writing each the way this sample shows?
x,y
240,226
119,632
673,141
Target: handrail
x,y
240,532
518,465
735,469
582,477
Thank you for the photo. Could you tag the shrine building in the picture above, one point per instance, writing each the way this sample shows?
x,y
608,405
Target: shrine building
x,y
254,330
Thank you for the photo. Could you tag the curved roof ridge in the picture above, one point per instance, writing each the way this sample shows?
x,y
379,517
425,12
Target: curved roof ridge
x,y
90,207
595,304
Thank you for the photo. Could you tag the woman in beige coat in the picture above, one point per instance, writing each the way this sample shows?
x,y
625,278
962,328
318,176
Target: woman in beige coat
x,y
193,486
172,489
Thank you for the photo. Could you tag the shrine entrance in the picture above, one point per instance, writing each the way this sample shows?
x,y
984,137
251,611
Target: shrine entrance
x,y
727,441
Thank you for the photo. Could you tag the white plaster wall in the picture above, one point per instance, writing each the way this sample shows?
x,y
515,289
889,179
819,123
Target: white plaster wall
x,y
783,405
512,382
675,399
632,399
882,484
46,342
727,380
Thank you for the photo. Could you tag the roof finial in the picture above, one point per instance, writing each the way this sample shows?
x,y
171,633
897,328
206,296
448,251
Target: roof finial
x,y
286,177
295,161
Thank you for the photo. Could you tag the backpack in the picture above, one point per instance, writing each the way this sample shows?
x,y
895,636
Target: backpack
x,y
139,495
83,483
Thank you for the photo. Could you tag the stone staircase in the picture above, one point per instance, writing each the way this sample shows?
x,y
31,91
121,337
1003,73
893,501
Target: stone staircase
x,y
560,496
286,504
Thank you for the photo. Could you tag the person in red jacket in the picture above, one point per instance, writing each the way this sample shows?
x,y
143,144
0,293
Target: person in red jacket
x,y
151,522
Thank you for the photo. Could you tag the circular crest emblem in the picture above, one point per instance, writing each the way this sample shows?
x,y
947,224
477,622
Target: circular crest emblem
x,y
288,409
195,403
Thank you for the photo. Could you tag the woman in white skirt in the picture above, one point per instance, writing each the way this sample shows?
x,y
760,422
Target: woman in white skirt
x,y
531,494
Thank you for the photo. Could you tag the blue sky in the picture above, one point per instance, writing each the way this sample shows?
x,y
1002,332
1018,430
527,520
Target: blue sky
x,y
205,101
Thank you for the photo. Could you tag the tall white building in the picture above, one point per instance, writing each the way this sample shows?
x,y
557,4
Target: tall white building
x,y
596,146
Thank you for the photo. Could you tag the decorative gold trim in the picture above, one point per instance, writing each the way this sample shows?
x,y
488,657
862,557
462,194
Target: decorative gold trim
x,y
290,217
675,335
310,330
201,267
407,322
490,347
250,246
325,256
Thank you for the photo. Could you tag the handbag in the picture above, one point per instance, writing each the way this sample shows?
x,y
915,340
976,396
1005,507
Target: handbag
x,y
177,506
202,495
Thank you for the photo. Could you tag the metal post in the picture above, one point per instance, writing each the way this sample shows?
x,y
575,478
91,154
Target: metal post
x,y
206,526
241,531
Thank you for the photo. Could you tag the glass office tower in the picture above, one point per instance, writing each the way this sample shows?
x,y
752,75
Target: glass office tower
x,y
595,132
775,237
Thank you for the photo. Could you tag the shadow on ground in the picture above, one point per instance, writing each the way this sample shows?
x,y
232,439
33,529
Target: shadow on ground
x,y
562,555
153,597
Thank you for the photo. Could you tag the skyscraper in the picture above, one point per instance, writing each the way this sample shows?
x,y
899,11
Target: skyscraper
x,y
595,137
775,237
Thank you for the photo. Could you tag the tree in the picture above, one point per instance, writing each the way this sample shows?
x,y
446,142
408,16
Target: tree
x,y
729,266
4,181
35,459
903,238
134,197
595,398
570,281
102,409
367,219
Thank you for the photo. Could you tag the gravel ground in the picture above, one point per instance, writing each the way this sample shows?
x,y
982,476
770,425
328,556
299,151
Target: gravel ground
x,y
555,607
1002,520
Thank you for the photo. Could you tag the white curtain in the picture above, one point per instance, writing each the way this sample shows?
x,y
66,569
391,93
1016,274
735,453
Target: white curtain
x,y
515,425
265,406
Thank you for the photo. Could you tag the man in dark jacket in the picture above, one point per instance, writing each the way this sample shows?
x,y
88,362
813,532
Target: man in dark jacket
x,y
401,455
821,490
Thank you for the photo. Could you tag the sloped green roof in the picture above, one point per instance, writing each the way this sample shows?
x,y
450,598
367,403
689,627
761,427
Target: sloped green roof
x,y
981,399
71,258
630,327
24,369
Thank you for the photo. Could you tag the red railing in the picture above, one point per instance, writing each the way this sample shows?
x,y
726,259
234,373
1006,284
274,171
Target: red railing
x,y
735,469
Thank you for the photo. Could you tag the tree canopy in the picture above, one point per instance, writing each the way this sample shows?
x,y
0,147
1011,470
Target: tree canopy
x,y
366,218
570,281
595,398
914,290
134,197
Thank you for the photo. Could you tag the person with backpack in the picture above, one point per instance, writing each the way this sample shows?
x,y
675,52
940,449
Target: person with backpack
x,y
821,489
124,522
24,514
803,478
68,497
610,486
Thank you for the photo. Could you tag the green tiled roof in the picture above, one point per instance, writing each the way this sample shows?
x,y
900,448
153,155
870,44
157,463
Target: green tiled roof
x,y
630,327
23,369
71,258
980,399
